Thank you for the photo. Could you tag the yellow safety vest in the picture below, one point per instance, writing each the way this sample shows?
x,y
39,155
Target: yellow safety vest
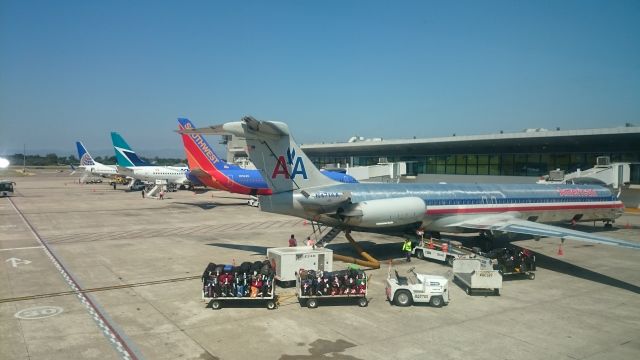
x,y
406,246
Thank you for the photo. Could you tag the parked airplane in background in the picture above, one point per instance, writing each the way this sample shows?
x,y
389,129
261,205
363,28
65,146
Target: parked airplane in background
x,y
299,189
213,172
91,166
131,165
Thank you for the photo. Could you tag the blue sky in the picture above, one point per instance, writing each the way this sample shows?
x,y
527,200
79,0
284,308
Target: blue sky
x,y
330,69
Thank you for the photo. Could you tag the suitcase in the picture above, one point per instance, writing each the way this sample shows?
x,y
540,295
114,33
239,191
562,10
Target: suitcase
x,y
245,267
219,269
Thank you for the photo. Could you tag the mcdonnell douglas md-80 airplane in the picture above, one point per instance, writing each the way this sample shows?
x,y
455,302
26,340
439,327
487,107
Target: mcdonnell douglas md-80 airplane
x,y
299,189
210,170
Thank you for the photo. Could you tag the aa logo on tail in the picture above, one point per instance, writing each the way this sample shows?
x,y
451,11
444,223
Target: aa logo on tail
x,y
297,168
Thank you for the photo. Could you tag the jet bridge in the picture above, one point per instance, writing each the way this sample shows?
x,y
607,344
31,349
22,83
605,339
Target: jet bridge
x,y
614,175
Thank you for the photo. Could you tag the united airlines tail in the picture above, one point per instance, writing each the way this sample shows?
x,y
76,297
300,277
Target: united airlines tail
x,y
275,153
125,156
83,155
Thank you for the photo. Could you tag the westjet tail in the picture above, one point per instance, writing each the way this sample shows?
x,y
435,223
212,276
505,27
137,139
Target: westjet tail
x,y
142,170
125,156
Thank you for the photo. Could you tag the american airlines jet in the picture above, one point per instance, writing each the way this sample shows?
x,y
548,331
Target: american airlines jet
x,y
130,164
299,189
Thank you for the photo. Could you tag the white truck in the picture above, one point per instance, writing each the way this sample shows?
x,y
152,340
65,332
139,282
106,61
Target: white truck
x,y
477,273
417,288
440,250
289,260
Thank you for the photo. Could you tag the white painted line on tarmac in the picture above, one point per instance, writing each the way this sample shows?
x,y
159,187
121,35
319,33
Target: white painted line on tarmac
x,y
109,331
23,248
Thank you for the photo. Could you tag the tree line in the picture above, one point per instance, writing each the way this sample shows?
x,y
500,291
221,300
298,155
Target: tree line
x,y
53,160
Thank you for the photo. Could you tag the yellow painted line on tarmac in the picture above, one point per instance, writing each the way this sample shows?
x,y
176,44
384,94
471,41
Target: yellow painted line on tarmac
x,y
632,210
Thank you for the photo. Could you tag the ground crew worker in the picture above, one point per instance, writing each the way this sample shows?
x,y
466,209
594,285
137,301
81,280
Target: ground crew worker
x,y
311,242
292,241
406,247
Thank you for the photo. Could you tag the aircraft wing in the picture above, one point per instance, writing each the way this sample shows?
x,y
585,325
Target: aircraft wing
x,y
512,224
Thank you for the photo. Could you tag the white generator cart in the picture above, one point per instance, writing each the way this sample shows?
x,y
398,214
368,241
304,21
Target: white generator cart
x,y
289,260
417,288
476,273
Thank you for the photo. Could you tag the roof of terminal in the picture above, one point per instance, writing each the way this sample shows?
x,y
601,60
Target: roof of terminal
x,y
613,139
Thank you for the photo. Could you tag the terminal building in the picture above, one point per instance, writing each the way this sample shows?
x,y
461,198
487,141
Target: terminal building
x,y
530,154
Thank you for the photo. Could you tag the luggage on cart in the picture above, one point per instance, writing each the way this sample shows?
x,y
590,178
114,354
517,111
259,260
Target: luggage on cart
x,y
245,267
331,285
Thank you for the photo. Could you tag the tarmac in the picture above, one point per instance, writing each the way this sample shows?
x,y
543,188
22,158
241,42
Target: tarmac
x,y
89,272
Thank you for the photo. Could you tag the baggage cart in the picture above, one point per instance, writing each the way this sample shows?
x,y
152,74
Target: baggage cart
x,y
270,302
476,273
249,282
514,262
312,301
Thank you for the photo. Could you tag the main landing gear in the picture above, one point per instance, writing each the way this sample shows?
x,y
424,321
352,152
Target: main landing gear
x,y
486,240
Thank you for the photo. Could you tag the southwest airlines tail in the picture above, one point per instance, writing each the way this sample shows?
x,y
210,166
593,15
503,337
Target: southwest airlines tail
x,y
200,154
275,153
125,156
83,155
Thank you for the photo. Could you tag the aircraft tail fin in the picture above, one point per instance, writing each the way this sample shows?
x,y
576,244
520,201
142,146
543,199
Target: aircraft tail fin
x,y
125,156
200,154
275,153
83,155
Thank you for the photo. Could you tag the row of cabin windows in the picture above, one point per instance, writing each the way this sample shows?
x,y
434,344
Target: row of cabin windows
x,y
515,200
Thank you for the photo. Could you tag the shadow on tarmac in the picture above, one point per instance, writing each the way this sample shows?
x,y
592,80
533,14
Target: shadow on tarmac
x,y
208,205
257,250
